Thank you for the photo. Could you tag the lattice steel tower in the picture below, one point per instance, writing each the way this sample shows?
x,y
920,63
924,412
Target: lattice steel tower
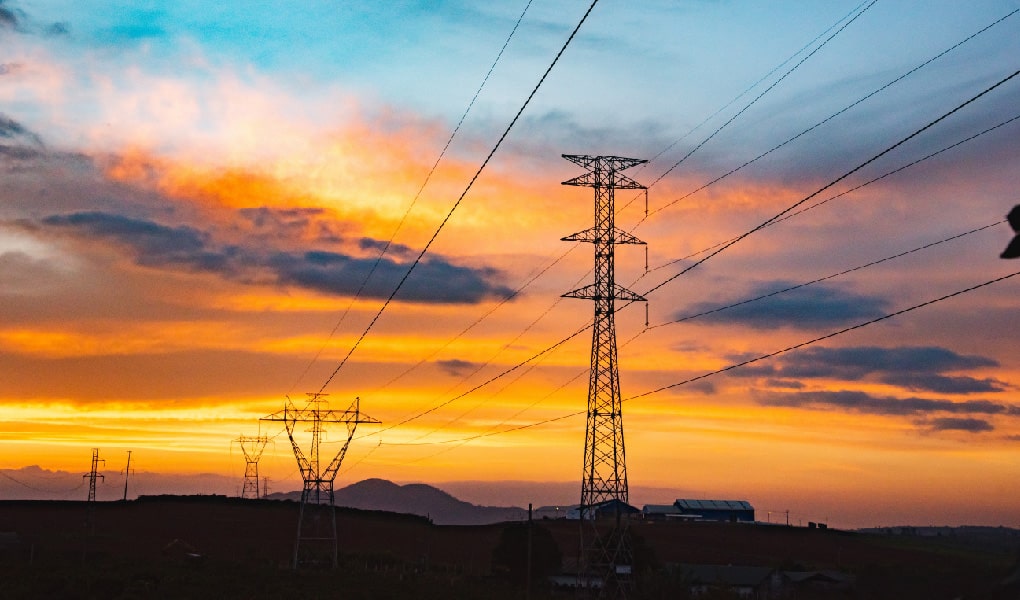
x,y
92,476
252,448
316,541
606,554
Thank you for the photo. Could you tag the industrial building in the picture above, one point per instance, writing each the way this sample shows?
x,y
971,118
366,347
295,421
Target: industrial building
x,y
736,511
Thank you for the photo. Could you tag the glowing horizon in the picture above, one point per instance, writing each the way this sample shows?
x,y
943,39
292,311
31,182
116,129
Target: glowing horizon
x,y
189,206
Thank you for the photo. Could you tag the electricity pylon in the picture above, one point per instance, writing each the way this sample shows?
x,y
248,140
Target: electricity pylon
x,y
92,475
317,493
252,448
606,555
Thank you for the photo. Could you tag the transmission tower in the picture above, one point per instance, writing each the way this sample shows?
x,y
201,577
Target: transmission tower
x,y
92,476
252,448
606,554
316,538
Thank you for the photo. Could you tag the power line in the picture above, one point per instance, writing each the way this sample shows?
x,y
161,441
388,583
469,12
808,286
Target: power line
x,y
471,183
755,84
848,191
740,364
38,489
403,219
820,279
830,117
825,337
724,244
733,305
484,383
781,216
479,320
716,180
759,96
562,256
842,177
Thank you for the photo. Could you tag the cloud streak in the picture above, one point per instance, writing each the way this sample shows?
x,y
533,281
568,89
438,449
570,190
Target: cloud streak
x,y
804,308
969,425
183,247
917,368
865,403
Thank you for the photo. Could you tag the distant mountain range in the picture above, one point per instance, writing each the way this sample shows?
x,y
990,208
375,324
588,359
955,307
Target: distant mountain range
x,y
416,499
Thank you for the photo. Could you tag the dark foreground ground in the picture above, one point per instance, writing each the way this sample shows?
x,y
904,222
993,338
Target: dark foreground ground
x,y
215,547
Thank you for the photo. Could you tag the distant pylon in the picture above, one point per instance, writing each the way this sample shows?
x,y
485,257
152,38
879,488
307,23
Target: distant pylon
x,y
606,555
252,448
92,475
317,494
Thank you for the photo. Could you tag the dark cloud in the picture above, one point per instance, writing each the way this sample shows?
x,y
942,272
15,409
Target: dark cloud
x,y
24,147
8,18
960,424
277,218
862,402
456,367
915,368
151,244
58,29
434,280
390,248
784,383
804,307
13,130
18,153
703,386
942,384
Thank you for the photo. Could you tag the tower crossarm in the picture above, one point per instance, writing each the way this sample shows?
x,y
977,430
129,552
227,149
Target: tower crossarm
x,y
620,181
289,416
590,292
352,425
590,235
615,162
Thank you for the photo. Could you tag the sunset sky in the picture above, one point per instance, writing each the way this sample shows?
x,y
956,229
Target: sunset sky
x,y
192,195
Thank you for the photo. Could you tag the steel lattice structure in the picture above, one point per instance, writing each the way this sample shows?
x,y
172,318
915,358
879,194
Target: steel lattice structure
x,y
317,493
94,474
90,517
252,448
606,553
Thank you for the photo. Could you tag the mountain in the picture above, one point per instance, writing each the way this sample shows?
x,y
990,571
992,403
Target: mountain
x,y
416,499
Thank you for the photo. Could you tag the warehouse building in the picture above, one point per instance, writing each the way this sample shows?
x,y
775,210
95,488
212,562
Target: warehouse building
x,y
685,509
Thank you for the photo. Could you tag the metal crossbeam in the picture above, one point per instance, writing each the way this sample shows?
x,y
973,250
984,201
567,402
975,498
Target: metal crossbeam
x,y
317,492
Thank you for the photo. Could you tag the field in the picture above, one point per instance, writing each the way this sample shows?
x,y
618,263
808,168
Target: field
x,y
216,547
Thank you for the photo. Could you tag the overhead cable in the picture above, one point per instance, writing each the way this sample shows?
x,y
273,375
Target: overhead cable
x,y
456,204
729,367
414,200
842,177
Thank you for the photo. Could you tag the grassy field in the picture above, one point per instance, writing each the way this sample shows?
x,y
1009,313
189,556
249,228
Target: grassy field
x,y
215,547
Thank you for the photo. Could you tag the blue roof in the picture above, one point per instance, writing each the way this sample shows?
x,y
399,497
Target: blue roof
x,y
689,504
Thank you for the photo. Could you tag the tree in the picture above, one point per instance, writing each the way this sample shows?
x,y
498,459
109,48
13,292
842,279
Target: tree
x,y
510,556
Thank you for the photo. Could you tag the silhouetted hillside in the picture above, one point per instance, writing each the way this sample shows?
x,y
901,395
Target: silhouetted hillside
x,y
416,499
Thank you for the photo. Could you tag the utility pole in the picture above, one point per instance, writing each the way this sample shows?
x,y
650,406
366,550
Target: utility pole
x,y
606,555
531,527
252,448
317,493
127,473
